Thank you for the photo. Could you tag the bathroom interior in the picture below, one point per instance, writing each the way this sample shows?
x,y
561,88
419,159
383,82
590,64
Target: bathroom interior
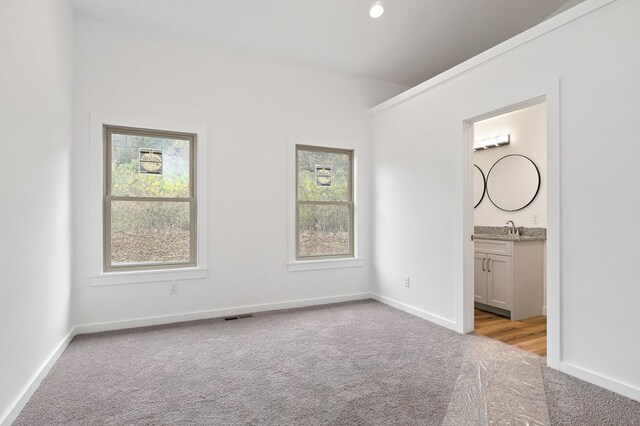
x,y
510,220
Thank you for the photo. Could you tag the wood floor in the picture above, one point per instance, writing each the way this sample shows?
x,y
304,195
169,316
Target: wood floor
x,y
529,334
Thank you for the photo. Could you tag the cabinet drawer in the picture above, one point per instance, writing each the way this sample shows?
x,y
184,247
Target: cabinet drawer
x,y
494,247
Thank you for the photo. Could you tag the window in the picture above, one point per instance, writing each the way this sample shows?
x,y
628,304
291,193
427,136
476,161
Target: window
x,y
324,203
149,199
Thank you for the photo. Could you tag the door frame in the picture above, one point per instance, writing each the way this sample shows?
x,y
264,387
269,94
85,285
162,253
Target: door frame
x,y
549,93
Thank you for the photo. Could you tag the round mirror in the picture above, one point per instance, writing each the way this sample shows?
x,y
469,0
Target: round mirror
x,y
479,186
513,182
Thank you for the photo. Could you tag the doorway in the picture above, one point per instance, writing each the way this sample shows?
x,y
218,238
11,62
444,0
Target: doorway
x,y
510,216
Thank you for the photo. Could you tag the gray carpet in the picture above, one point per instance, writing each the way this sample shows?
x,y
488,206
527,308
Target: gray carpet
x,y
357,363
572,401
353,363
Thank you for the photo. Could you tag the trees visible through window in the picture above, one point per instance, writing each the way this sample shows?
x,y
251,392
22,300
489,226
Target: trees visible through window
x,y
324,202
149,203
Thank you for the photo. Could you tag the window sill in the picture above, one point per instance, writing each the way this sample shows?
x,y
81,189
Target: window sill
x,y
311,265
135,277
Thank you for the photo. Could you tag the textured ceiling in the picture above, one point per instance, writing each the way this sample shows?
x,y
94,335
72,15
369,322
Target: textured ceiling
x,y
413,41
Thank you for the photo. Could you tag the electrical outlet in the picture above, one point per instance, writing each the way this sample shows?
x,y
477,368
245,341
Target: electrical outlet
x,y
407,281
173,288
536,219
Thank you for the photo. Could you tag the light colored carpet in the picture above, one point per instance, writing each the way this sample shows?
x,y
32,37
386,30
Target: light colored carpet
x,y
357,363
354,363
572,401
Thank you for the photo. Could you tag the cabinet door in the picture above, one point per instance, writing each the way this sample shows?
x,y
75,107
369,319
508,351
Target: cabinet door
x,y
480,277
499,281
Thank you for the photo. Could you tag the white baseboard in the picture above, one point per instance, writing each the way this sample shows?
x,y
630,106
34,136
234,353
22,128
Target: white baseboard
x,y
12,413
215,313
544,310
415,311
599,380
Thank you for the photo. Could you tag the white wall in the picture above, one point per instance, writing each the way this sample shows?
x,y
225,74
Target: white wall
x,y
35,193
250,107
528,130
419,162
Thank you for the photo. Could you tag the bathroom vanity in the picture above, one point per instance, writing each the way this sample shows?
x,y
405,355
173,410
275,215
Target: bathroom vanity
x,y
509,272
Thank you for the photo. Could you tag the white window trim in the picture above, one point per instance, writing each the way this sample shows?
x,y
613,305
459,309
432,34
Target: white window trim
x,y
294,265
98,276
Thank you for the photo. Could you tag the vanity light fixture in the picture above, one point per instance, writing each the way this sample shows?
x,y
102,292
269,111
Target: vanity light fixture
x,y
492,142
377,9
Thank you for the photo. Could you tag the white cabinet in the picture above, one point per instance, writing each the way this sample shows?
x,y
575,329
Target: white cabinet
x,y
509,275
499,282
480,277
493,273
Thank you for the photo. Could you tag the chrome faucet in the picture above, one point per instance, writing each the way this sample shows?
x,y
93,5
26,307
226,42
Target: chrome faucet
x,y
512,229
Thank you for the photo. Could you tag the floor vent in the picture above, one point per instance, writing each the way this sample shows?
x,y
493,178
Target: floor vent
x,y
237,317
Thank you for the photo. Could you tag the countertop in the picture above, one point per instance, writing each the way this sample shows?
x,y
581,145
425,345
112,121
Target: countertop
x,y
501,233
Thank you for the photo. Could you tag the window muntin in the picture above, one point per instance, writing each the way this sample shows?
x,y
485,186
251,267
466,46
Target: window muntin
x,y
324,202
149,203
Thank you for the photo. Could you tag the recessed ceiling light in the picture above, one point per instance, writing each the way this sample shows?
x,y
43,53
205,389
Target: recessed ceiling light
x,y
377,9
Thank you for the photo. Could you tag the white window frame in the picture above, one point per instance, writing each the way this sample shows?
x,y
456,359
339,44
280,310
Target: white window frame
x,y
306,264
116,277
109,198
